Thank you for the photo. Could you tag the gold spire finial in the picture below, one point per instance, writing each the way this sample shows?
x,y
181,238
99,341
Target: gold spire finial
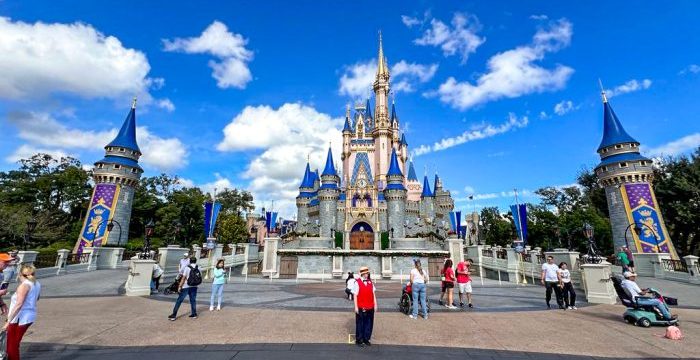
x,y
382,67
133,103
602,91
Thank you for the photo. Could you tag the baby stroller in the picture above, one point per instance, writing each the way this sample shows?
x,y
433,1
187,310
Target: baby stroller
x,y
641,315
173,288
406,300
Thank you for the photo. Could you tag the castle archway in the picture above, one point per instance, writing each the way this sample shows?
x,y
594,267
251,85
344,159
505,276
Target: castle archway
x,y
361,236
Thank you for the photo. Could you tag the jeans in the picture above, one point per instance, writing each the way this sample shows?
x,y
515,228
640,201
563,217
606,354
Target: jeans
x,y
418,293
364,322
569,294
218,290
155,283
557,292
192,292
655,303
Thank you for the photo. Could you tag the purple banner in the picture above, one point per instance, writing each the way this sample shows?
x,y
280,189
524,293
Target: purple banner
x,y
643,212
102,204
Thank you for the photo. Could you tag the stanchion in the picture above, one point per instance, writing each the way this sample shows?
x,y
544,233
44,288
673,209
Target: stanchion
x,y
499,277
532,274
481,274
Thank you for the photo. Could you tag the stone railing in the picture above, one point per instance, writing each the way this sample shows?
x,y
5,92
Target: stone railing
x,y
64,261
685,270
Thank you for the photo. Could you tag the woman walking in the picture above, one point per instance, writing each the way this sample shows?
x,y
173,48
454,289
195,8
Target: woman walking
x,y
567,288
449,274
349,283
22,311
419,280
217,286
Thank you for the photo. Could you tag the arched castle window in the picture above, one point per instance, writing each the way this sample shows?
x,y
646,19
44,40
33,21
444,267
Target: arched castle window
x,y
369,200
354,200
117,166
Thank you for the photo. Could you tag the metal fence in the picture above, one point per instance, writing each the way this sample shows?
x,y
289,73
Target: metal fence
x,y
674,265
502,254
529,257
487,252
45,260
77,259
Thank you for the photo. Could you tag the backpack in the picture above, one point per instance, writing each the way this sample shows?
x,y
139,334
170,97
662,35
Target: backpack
x,y
195,277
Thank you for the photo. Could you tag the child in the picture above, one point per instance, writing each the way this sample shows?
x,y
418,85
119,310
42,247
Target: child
x,y
567,288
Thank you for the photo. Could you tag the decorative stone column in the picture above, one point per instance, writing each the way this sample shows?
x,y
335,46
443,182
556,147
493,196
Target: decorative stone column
x,y
109,257
197,251
338,266
513,267
62,260
138,283
691,261
597,284
454,246
92,258
170,258
270,257
644,262
250,254
474,253
26,257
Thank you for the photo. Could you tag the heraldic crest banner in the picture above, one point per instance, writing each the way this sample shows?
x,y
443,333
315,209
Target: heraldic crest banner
x,y
642,210
94,232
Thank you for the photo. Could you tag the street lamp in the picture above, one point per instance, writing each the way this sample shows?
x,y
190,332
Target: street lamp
x,y
31,226
638,230
593,256
150,226
392,232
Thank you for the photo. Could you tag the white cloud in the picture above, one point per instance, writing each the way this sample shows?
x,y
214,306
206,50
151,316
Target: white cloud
x,y
676,147
481,132
41,59
539,17
468,189
219,184
185,183
282,138
40,129
692,68
564,107
357,79
231,69
409,21
628,87
514,73
165,104
543,115
460,38
26,151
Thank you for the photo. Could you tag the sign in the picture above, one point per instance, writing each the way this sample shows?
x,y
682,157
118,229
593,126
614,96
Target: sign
x,y
519,249
211,243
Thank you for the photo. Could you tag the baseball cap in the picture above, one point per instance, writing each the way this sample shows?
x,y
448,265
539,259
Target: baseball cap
x,y
6,257
186,254
628,274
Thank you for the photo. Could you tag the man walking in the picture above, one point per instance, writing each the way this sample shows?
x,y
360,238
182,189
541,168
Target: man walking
x,y
365,306
551,281
464,282
5,261
190,278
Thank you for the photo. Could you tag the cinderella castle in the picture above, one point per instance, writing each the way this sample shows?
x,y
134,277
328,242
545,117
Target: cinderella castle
x,y
376,188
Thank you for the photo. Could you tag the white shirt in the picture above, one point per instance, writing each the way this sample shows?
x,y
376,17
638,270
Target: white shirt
x,y
417,277
355,288
550,272
26,314
632,288
157,271
565,275
184,262
186,275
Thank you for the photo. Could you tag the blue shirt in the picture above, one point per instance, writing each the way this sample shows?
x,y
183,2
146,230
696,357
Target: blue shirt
x,y
219,276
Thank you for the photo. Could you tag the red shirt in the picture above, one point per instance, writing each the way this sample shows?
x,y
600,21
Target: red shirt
x,y
449,275
365,295
463,278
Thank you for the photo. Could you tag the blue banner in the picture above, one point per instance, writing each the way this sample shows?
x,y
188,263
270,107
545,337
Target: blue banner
x,y
211,213
453,221
270,220
519,212
458,228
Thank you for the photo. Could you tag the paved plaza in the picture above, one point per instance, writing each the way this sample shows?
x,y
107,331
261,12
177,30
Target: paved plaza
x,y
81,317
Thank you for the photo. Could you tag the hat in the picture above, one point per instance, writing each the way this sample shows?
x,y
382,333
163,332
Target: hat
x,y
363,270
186,254
5,257
628,274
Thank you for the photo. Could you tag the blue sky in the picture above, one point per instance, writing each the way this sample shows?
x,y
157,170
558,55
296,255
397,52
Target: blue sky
x,y
236,94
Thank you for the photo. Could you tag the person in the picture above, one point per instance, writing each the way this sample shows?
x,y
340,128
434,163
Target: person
x,y
22,310
184,262
365,307
550,280
418,280
190,278
630,258
5,261
155,277
443,286
637,294
464,282
11,270
217,285
567,288
449,274
624,261
348,285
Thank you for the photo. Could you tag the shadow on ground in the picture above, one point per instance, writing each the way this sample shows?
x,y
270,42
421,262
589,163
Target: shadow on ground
x,y
278,351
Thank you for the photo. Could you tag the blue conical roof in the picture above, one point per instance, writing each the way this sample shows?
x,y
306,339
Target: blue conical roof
x,y
436,181
393,112
403,140
308,181
347,126
613,132
412,172
394,168
330,168
368,110
426,188
126,137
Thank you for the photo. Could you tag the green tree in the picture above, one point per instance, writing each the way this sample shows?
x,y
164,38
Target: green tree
x,y
231,228
497,229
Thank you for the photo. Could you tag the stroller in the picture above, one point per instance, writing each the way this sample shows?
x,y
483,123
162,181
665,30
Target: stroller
x,y
641,315
173,288
406,300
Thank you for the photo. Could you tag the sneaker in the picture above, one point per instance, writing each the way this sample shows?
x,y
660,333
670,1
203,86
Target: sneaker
x,y
368,343
451,307
562,307
211,308
569,308
440,302
412,317
574,308
470,305
193,316
218,308
461,304
172,317
549,306
425,317
360,344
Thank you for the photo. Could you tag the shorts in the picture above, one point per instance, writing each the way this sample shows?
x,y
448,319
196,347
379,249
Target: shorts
x,y
465,288
449,285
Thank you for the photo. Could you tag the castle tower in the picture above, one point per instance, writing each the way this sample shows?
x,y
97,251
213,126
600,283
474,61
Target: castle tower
x,y
627,177
382,131
328,195
116,177
306,192
427,200
443,201
413,184
395,195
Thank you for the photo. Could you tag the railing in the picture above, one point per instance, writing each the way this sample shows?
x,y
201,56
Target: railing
x,y
74,259
45,260
228,250
502,254
585,259
129,254
674,265
240,250
487,252
528,257
204,253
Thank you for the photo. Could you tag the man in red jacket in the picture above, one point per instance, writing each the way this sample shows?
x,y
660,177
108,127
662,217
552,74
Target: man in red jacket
x,y
365,307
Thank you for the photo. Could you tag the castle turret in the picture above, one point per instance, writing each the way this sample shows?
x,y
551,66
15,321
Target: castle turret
x,y
116,177
627,176
427,200
306,193
382,128
328,197
395,195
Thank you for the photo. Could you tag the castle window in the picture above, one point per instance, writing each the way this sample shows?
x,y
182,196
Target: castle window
x,y
618,146
122,149
117,166
133,170
623,165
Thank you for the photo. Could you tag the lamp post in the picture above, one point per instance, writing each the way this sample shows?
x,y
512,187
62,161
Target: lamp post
x,y
472,230
150,226
110,227
593,256
638,230
31,226
176,233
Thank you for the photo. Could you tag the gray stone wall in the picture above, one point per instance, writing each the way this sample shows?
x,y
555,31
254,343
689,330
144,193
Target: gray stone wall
x,y
122,215
396,213
327,215
618,216
427,207
404,264
353,263
340,219
314,264
302,214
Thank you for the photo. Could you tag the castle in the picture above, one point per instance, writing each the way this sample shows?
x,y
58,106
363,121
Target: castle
x,y
116,177
378,190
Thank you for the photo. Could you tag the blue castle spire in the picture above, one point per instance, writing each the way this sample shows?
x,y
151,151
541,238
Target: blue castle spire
x,y
308,180
368,110
330,168
347,127
126,137
412,172
613,132
426,188
436,182
403,140
394,168
393,112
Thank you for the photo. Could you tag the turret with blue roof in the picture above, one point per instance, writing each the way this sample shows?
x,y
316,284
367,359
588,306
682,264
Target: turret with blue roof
x,y
368,110
617,146
393,112
394,176
329,176
426,188
124,150
412,172
403,140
